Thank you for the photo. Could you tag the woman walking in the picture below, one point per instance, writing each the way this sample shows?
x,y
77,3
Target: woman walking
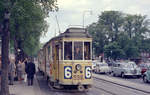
x,y
20,70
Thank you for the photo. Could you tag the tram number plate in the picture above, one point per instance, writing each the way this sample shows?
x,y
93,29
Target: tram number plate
x,y
77,77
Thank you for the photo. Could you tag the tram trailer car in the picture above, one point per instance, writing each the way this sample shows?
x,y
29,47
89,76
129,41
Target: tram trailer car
x,y
41,63
68,59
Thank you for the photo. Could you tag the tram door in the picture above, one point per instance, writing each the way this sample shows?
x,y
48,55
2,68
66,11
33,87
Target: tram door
x,y
56,62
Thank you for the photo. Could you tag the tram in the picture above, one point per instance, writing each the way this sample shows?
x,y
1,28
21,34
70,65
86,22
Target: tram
x,y
66,60
41,63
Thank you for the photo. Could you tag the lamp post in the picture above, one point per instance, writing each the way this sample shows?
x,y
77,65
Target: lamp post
x,y
84,12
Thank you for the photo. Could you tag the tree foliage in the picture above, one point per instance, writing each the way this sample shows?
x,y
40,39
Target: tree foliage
x,y
99,37
25,25
113,50
120,35
28,24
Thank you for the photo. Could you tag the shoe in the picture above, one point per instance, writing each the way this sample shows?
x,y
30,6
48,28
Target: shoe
x,y
11,84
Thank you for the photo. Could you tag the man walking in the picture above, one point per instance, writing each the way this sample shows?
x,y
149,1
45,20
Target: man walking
x,y
30,70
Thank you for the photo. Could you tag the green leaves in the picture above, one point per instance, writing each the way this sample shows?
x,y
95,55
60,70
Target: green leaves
x,y
120,35
47,5
27,22
114,51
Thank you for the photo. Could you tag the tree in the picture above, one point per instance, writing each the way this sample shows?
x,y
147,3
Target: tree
x,y
114,51
27,24
8,8
145,46
112,22
124,33
132,51
5,48
99,37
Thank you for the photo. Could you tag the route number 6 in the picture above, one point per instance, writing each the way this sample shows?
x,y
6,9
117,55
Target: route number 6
x,y
88,73
67,72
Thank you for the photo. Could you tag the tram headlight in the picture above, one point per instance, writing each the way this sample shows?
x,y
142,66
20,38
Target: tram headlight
x,y
78,67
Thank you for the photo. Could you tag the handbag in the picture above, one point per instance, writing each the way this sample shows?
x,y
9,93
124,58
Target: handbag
x,y
25,78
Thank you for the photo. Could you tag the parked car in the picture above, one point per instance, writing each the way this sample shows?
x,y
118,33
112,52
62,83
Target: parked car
x,y
144,67
94,65
124,69
110,63
146,75
102,67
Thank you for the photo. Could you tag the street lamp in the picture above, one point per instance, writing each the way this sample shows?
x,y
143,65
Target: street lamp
x,y
86,11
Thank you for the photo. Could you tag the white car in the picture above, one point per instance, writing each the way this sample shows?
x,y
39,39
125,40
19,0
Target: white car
x,y
94,65
102,68
124,69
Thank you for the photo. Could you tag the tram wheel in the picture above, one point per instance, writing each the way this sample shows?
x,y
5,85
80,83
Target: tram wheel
x,y
81,88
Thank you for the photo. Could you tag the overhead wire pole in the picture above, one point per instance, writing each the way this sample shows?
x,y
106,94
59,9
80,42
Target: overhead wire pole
x,y
55,32
90,11
57,23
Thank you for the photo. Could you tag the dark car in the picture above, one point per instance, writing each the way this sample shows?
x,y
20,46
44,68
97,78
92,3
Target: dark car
x,y
146,75
144,67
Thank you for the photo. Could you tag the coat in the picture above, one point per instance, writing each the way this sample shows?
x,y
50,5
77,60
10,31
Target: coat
x,y
11,69
30,70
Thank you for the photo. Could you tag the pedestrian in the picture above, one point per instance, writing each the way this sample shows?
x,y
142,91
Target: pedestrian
x,y
23,70
30,72
11,71
20,70
25,63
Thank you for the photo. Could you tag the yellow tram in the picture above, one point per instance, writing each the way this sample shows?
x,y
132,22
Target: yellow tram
x,y
67,59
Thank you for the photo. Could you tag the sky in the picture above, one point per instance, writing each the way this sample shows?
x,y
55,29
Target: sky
x,y
72,12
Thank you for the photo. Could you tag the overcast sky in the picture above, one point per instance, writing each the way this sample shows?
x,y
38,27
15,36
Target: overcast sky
x,y
71,12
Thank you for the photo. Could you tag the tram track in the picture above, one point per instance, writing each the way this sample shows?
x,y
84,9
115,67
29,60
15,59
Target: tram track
x,y
109,92
117,84
100,87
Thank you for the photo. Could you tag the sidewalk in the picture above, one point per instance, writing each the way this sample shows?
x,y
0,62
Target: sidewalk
x,y
23,89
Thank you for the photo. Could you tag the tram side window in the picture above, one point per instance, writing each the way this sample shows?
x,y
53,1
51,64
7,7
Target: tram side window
x,y
49,49
87,51
57,52
67,50
78,50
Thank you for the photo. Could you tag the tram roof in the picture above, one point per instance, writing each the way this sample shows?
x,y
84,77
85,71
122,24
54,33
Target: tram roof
x,y
72,32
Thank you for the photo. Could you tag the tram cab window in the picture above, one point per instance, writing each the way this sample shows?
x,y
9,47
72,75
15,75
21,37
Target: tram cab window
x,y
67,50
78,51
87,51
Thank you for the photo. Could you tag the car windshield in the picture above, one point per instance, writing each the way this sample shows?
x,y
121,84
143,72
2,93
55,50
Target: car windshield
x,y
148,65
103,64
143,66
130,65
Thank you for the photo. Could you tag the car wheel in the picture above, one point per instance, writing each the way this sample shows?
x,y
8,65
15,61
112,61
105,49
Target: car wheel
x,y
138,76
122,75
113,74
109,73
145,79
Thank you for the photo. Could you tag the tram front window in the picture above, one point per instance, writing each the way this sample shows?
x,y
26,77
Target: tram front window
x,y
78,50
87,52
67,50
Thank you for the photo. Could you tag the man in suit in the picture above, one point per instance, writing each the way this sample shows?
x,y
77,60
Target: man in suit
x,y
30,70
